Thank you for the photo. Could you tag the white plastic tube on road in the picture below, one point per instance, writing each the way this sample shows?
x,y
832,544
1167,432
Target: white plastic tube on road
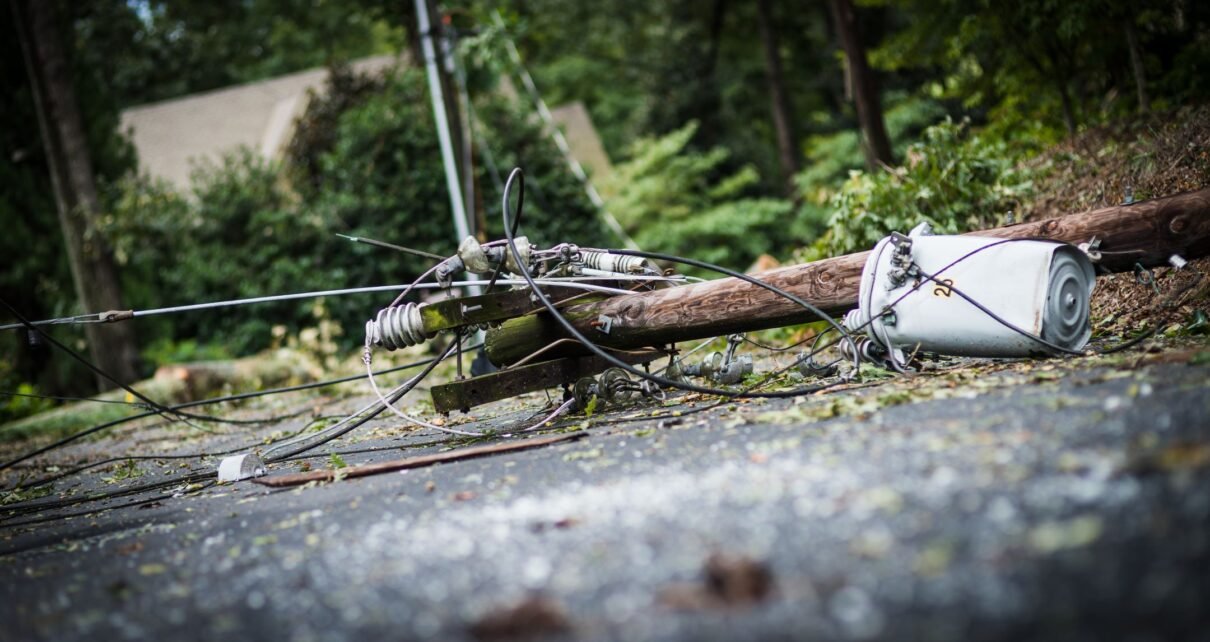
x,y
240,467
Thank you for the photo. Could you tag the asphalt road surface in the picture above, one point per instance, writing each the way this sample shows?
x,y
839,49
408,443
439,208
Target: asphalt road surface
x,y
1065,499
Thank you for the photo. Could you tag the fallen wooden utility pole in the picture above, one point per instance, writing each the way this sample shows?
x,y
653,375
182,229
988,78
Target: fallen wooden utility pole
x,y
1146,232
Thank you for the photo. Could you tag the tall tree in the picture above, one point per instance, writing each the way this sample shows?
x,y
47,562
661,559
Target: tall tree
x,y
697,36
864,86
787,151
1136,63
113,348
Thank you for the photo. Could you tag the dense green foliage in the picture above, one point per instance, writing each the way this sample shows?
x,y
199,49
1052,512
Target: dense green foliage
x,y
674,200
1005,64
156,49
953,180
648,68
1055,64
678,90
369,167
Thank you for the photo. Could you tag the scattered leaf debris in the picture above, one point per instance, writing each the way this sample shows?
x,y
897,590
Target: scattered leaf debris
x,y
728,581
532,617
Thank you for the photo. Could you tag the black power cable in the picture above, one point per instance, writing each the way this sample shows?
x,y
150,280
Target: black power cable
x,y
38,507
25,509
93,511
200,455
156,406
138,404
374,413
202,402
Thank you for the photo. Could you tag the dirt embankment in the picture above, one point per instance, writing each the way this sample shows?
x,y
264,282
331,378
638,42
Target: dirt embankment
x,y
1157,155
1147,157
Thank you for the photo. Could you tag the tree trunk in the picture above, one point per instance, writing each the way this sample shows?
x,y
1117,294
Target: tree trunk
x,y
113,348
1146,232
1136,65
782,125
411,34
703,102
876,143
1069,114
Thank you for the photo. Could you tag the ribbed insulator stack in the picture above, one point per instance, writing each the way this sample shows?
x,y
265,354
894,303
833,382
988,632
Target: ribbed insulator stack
x,y
396,327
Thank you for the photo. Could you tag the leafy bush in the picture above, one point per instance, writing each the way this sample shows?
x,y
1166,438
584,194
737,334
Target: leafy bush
x,y
556,207
17,406
366,163
953,179
675,200
830,157
240,235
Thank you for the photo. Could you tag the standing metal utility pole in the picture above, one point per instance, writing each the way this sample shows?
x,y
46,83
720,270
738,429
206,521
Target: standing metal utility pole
x,y
453,185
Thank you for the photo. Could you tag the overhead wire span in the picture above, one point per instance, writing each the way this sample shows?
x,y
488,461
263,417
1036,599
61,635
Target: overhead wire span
x,y
296,446
154,405
391,246
79,468
194,307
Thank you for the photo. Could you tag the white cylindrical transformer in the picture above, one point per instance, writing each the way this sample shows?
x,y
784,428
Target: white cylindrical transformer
x,y
1041,287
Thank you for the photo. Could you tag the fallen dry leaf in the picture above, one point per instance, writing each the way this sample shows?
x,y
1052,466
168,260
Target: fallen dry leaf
x,y
532,617
729,581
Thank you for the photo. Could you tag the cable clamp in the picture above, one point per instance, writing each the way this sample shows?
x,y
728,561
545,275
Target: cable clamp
x,y
115,315
1092,249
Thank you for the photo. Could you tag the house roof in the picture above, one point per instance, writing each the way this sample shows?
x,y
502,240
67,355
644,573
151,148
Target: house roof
x,y
172,136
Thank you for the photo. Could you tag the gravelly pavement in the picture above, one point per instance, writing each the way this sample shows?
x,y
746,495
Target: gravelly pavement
x,y
1060,500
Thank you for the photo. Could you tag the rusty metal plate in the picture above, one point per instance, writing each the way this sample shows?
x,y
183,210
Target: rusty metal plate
x,y
475,391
